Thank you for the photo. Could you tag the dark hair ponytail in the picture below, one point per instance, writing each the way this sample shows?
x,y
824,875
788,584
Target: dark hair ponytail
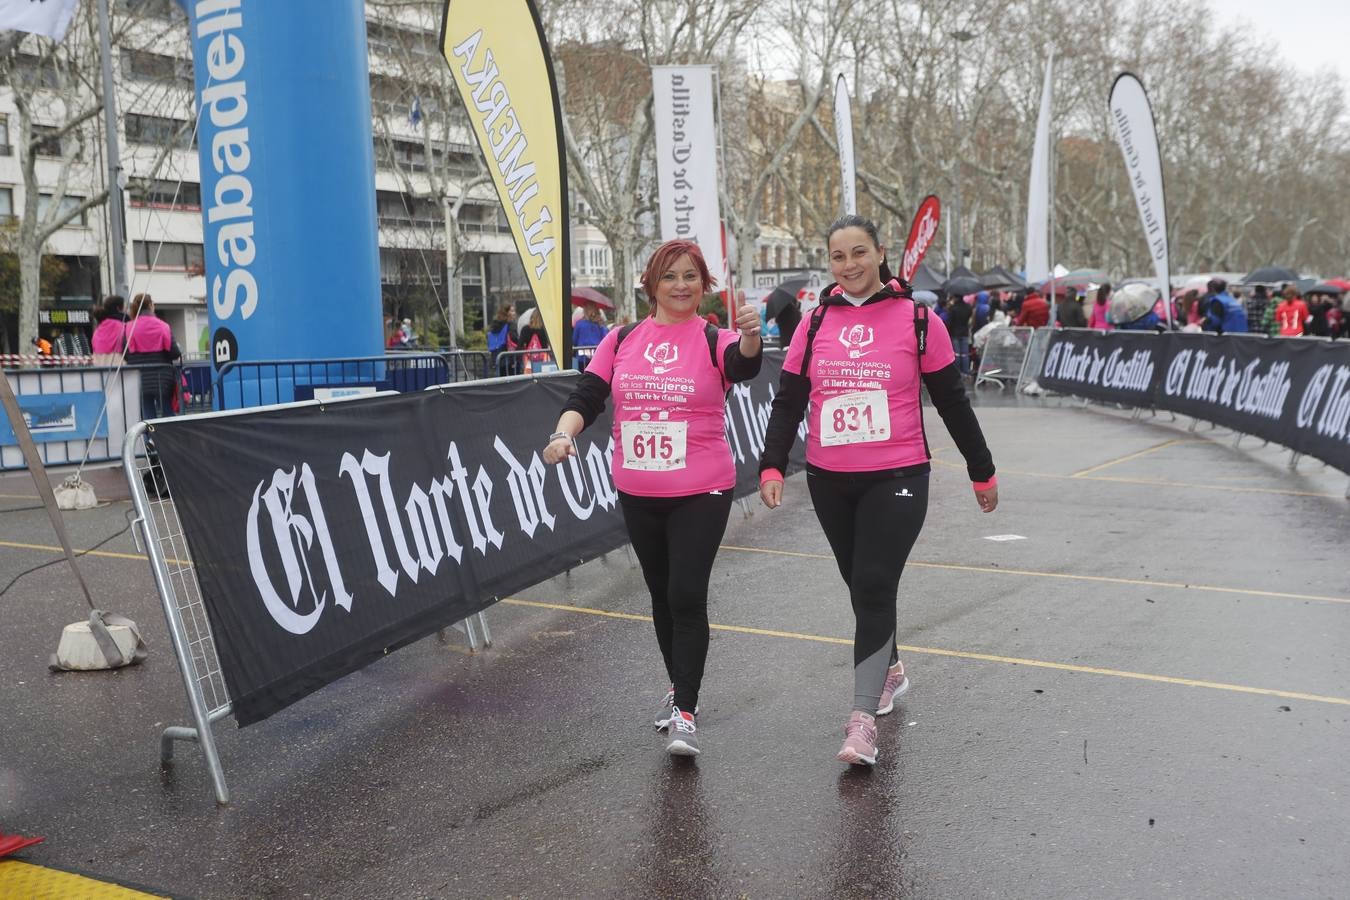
x,y
855,221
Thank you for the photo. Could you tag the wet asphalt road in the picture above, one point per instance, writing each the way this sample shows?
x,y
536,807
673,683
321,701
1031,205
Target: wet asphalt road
x,y
1096,709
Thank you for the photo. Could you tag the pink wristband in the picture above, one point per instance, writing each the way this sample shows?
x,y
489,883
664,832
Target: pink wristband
x,y
770,475
985,485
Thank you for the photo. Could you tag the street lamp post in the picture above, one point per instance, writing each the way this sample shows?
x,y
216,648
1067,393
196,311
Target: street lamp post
x,y
961,37
456,313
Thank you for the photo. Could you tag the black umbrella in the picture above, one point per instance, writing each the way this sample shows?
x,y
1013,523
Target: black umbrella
x,y
962,285
1000,279
784,295
1326,287
1270,275
926,278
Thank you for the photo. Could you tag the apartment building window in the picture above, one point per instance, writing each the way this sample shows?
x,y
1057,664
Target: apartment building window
x,y
29,71
153,9
6,206
394,208
166,195
391,40
410,267
46,143
5,148
159,131
68,203
169,257
139,65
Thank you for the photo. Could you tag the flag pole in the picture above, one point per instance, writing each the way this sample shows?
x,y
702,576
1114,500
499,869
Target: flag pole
x,y
117,220
1050,154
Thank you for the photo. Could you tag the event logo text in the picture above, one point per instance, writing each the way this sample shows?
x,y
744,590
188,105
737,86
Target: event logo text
x,y
410,533
1132,372
1217,379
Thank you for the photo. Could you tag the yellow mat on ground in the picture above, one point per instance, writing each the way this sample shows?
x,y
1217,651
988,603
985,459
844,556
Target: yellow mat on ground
x,y
25,881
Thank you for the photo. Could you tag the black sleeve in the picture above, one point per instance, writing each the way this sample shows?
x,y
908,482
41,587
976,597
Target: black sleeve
x,y
789,405
588,398
948,391
739,367
174,352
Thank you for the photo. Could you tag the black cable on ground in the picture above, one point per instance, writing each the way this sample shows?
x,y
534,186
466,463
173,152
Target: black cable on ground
x,y
60,559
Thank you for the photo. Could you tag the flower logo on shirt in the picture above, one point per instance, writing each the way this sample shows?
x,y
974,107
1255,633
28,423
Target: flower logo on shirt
x,y
854,341
662,356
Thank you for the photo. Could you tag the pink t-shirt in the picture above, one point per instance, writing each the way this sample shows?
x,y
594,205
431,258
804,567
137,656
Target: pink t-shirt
x,y
147,334
108,336
865,413
669,407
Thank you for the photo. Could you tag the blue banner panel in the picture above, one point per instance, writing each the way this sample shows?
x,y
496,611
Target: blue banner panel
x,y
287,178
59,417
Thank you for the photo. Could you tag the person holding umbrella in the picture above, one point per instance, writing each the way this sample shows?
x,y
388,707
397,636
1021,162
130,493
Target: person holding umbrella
x,y
784,308
669,375
590,329
860,365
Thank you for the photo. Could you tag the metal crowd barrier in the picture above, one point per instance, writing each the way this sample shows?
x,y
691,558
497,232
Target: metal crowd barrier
x,y
158,532
247,384
468,365
525,362
82,402
1004,352
1035,358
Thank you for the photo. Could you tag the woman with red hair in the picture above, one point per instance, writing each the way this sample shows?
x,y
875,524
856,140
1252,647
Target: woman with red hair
x,y
669,375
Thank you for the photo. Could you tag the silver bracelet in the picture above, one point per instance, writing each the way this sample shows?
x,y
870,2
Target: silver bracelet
x,y
559,434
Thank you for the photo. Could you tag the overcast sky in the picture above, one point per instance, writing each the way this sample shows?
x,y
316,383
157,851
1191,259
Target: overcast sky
x,y
1307,33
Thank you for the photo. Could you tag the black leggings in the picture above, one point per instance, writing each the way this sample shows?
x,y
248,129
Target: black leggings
x,y
871,524
676,540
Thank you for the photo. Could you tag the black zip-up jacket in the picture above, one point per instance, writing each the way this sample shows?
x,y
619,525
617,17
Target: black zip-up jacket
x,y
945,387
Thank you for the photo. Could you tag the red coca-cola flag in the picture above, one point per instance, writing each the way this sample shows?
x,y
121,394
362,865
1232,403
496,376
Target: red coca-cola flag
x,y
921,235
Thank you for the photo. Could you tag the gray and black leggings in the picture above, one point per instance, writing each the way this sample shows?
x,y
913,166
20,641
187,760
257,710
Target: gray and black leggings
x,y
871,520
675,540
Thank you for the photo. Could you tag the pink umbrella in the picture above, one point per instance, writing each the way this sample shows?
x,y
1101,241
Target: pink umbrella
x,y
583,295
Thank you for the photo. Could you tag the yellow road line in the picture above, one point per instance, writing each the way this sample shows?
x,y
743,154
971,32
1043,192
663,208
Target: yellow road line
x,y
1142,582
988,570
106,554
22,879
1127,458
1154,482
958,654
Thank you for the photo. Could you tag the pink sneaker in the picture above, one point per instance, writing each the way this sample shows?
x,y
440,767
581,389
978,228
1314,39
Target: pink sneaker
x,y
896,684
860,740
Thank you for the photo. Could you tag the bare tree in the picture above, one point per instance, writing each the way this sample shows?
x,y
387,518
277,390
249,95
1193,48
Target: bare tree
x,y
606,53
58,97
423,136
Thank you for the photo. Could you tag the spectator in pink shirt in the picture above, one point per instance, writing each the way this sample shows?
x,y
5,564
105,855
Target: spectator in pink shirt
x,y
152,349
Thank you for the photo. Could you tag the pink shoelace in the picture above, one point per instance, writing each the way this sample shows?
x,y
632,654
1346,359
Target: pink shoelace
x,y
860,727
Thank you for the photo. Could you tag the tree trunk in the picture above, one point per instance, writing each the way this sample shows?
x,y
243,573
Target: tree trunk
x,y
29,270
747,234
623,280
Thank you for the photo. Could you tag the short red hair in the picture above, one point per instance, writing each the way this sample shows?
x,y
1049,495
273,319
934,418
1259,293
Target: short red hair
x,y
665,256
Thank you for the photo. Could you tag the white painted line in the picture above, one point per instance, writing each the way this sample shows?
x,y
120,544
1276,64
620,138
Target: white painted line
x,y
1004,537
